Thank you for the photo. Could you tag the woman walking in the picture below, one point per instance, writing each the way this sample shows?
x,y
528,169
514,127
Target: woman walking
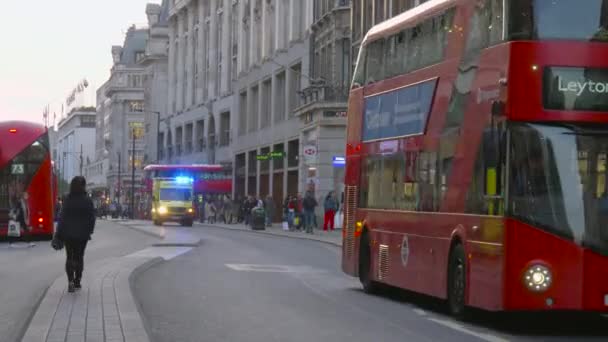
x,y
75,229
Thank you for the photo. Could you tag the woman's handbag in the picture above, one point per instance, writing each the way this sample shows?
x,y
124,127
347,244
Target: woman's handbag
x,y
56,243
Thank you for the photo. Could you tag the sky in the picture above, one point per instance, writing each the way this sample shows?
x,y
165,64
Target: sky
x,y
49,46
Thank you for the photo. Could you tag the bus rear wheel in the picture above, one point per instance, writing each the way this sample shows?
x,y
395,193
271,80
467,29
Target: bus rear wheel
x,y
457,281
365,269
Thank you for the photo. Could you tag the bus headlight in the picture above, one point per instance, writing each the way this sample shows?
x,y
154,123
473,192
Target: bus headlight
x,y
162,210
153,210
538,278
190,210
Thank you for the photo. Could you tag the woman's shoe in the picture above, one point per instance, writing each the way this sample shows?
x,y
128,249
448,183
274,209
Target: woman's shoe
x,y
71,287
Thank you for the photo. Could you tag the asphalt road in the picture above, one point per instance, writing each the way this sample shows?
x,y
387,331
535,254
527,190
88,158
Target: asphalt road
x,y
239,286
26,273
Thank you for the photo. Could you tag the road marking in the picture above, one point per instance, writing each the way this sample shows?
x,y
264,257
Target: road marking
x,y
419,312
167,253
458,327
17,245
273,268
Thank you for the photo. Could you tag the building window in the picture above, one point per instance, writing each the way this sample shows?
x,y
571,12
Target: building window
x,y
279,99
295,87
136,106
294,151
200,136
266,105
136,130
139,55
243,113
188,139
225,129
87,121
253,114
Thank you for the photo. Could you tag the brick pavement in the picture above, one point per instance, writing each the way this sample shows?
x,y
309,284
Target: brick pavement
x,y
102,311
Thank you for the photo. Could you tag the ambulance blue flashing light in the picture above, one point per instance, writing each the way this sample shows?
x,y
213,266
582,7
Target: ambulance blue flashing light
x,y
184,180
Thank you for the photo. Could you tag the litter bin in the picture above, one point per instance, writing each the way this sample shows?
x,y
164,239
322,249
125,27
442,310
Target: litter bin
x,y
258,219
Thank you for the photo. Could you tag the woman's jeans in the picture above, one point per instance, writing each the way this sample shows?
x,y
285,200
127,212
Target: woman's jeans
x,y
290,216
74,263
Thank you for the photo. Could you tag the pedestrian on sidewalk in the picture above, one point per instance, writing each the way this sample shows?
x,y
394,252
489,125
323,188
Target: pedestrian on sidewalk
x,y
309,204
269,206
330,204
75,229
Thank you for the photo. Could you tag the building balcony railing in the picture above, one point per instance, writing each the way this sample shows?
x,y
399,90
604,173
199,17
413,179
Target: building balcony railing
x,y
323,93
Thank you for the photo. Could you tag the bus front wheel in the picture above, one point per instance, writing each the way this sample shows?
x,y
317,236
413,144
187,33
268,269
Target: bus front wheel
x,y
158,223
365,269
188,223
457,281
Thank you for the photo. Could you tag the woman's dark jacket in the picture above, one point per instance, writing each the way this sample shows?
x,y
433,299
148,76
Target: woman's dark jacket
x,y
77,218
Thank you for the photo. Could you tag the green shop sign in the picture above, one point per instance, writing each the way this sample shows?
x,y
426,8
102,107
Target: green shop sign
x,y
271,155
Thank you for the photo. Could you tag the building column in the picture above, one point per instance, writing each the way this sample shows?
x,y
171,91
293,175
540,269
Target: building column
x,y
200,53
212,44
287,94
180,57
273,98
257,174
242,39
171,66
278,24
190,57
285,171
247,161
226,47
260,98
293,23
265,31
253,34
251,124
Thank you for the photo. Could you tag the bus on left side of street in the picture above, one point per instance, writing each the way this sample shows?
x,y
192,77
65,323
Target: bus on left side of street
x,y
26,181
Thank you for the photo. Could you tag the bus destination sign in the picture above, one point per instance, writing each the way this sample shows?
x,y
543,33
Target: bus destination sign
x,y
575,89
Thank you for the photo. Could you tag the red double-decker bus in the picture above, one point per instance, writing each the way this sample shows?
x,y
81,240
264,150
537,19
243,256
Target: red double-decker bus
x,y
477,147
26,180
208,179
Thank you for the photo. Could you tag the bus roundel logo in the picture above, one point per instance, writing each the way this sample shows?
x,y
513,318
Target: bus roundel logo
x,y
405,251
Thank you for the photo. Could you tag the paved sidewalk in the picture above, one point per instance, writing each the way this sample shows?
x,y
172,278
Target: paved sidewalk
x,y
176,235
103,311
334,238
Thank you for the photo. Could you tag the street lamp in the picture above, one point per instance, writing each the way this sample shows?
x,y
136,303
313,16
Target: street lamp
x,y
132,211
80,159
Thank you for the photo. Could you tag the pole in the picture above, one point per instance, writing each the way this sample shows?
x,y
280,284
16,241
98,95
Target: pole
x,y
119,171
157,135
63,170
133,176
81,159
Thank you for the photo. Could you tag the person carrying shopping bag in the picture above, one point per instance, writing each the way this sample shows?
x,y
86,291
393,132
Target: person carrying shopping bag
x,y
75,228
